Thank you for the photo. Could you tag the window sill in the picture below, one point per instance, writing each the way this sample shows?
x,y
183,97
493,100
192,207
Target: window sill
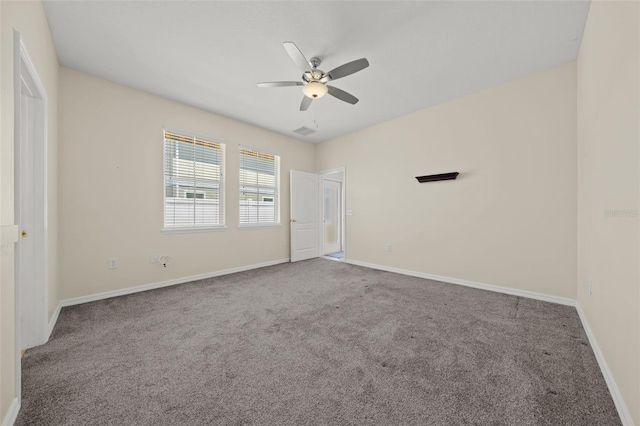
x,y
259,226
192,230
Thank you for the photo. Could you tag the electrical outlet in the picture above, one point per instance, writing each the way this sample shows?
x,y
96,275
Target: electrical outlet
x,y
388,247
590,287
154,258
113,263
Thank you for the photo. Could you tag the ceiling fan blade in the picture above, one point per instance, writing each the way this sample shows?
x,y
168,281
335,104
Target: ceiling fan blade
x,y
348,69
306,101
297,56
280,84
342,95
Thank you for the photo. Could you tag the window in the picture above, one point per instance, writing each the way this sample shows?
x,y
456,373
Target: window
x,y
191,194
259,188
193,181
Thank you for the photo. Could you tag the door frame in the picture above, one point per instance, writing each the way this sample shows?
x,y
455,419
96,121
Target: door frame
x,y
24,72
343,212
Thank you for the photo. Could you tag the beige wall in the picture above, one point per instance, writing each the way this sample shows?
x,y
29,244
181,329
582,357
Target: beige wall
x,y
608,134
111,189
29,19
510,217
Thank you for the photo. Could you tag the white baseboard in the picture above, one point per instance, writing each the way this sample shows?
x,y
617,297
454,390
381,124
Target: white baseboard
x,y
466,283
145,287
12,414
623,412
52,322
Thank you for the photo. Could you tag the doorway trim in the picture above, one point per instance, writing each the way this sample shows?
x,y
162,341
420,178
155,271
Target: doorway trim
x,y
25,74
343,213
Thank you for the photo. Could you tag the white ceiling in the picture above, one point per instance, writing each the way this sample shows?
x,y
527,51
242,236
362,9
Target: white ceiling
x,y
211,54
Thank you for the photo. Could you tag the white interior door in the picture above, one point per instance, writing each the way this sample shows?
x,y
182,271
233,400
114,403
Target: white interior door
x,y
26,249
304,216
331,216
30,206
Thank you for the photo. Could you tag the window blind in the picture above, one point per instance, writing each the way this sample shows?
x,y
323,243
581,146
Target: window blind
x,y
193,181
259,187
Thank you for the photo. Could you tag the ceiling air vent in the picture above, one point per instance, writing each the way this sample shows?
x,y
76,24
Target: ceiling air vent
x,y
304,131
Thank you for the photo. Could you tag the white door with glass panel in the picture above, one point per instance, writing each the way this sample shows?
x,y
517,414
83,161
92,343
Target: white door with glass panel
x,y
331,216
304,216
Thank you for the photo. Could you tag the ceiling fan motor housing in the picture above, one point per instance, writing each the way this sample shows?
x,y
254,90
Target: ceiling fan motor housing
x,y
315,75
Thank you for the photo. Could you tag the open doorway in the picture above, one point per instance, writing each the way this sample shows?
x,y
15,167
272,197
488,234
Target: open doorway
x,y
332,214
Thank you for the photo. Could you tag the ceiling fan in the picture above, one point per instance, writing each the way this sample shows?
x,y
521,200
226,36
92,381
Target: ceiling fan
x,y
314,81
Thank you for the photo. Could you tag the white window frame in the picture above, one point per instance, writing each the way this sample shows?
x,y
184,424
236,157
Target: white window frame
x,y
171,229
276,195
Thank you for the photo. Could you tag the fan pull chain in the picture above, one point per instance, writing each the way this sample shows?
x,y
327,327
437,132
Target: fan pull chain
x,y
315,116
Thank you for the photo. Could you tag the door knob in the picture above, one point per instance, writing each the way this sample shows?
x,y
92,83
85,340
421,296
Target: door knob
x,y
24,234
293,220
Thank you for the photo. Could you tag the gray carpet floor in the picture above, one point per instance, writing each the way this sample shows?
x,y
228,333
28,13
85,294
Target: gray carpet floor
x,y
315,342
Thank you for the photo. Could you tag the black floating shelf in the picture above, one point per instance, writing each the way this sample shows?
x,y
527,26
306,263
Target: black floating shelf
x,y
441,176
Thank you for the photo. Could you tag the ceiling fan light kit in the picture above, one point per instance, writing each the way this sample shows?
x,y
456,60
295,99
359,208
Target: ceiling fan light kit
x,y
315,89
314,81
